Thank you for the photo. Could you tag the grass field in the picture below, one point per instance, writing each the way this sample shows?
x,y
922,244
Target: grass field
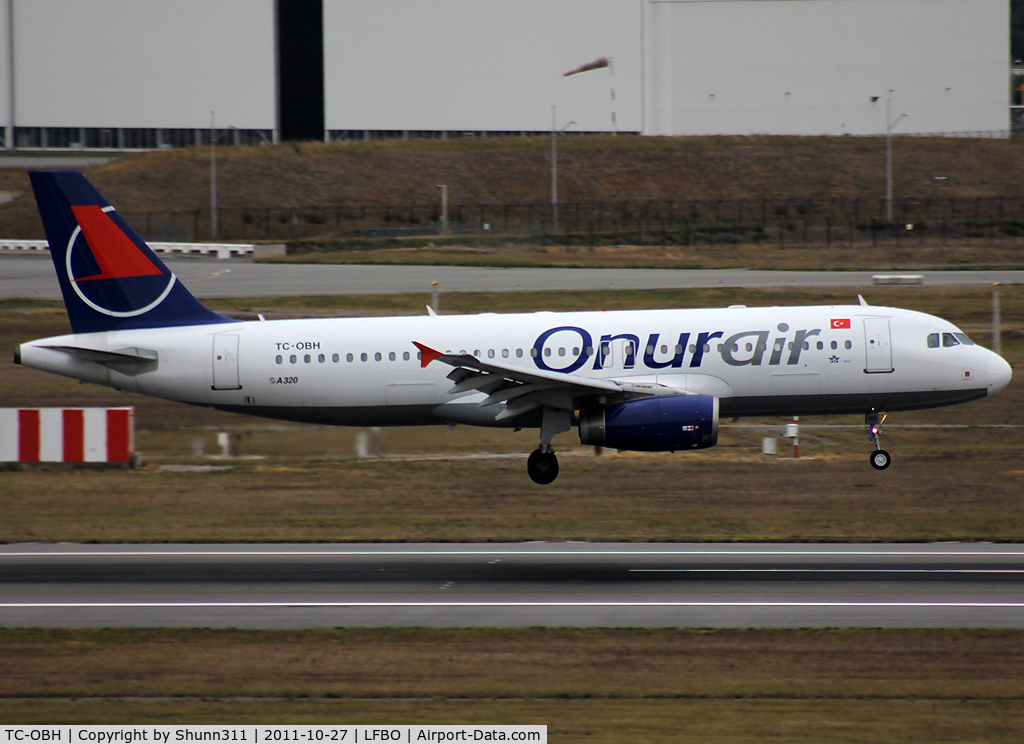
x,y
597,685
1005,252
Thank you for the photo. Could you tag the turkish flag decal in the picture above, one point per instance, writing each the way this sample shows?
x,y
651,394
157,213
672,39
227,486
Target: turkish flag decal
x,y
840,323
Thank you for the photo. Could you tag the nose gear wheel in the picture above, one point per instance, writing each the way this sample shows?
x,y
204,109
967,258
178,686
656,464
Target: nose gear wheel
x,y
880,459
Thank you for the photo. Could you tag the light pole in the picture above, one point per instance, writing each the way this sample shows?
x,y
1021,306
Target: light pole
x,y
554,167
444,210
889,124
940,182
213,176
9,137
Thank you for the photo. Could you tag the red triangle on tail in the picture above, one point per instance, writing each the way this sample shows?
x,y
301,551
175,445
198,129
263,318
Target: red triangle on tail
x,y
118,257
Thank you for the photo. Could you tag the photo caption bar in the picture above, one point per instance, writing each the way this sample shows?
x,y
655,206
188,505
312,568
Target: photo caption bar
x,y
403,734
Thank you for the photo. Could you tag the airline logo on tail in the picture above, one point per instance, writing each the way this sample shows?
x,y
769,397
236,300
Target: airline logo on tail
x,y
108,270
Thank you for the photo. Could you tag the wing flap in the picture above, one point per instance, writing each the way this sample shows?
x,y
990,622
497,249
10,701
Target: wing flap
x,y
524,390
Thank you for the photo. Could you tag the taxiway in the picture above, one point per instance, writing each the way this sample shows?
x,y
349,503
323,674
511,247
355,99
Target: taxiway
x,y
32,277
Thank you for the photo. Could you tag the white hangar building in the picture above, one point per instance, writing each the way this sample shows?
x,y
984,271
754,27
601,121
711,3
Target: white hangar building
x,y
148,73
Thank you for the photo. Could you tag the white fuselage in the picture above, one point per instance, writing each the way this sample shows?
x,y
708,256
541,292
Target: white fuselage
x,y
366,372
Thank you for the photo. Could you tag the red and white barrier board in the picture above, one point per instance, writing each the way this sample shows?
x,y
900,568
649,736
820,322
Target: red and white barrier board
x,y
67,434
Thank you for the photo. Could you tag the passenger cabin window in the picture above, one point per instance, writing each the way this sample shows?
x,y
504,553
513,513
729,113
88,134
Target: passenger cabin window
x,y
948,339
933,340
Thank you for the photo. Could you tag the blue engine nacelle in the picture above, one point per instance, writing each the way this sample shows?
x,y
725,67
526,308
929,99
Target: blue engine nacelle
x,y
677,422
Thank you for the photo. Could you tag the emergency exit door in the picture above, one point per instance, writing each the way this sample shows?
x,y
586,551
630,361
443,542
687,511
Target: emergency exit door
x,y
877,345
225,362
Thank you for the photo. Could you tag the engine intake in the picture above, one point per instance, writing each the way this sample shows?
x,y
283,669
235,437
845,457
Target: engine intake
x,y
677,422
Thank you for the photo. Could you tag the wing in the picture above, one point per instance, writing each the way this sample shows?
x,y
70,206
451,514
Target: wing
x,y
523,390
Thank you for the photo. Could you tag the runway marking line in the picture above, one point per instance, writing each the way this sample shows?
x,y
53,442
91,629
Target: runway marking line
x,y
81,605
879,570
471,553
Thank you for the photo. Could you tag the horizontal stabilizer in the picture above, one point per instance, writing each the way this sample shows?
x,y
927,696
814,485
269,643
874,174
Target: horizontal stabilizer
x,y
131,361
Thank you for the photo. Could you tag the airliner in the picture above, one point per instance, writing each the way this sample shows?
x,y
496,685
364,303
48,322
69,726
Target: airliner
x,y
648,380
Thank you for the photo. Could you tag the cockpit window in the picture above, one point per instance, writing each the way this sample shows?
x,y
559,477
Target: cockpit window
x,y
962,337
948,339
933,340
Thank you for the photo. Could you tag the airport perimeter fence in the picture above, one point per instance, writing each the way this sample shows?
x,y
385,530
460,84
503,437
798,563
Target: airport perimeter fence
x,y
783,221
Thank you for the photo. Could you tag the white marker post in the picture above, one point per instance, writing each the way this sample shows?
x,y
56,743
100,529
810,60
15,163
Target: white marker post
x,y
793,432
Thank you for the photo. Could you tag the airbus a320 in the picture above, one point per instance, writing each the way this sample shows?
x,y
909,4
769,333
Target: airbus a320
x,y
652,380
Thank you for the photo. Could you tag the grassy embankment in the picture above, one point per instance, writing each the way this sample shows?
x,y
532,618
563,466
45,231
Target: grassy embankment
x,y
611,170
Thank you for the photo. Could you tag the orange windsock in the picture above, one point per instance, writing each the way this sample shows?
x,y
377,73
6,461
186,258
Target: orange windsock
x,y
597,64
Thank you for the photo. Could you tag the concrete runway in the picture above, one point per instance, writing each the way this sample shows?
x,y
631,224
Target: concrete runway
x,y
509,585
32,276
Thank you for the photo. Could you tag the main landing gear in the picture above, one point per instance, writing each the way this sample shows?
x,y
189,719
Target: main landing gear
x,y
542,466
879,459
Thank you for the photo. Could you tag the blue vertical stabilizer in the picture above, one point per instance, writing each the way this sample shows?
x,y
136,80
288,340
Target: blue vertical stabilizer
x,y
109,277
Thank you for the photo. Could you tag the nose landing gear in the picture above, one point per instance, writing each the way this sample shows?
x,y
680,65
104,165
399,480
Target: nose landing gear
x,y
879,459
